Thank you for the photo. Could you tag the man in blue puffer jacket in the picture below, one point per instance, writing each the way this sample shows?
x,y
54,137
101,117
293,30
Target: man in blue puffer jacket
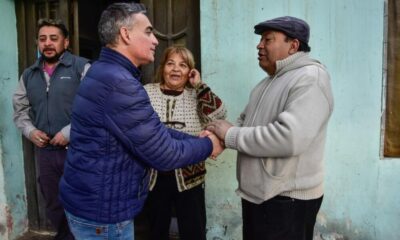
x,y
116,135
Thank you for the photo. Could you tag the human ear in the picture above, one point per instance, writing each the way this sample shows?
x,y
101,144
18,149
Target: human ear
x,y
124,33
294,46
66,43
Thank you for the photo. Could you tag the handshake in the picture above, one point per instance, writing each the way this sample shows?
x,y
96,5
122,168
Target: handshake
x,y
216,131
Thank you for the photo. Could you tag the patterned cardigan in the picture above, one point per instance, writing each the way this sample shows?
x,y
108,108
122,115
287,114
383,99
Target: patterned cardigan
x,y
187,112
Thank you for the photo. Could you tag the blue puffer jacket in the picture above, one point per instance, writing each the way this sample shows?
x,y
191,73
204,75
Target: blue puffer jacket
x,y
115,137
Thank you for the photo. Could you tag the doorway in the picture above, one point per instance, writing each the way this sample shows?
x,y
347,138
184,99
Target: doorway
x,y
174,21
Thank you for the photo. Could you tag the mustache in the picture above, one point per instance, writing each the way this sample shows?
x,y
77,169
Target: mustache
x,y
48,49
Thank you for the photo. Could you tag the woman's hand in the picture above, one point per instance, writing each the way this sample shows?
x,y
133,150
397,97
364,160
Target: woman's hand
x,y
194,78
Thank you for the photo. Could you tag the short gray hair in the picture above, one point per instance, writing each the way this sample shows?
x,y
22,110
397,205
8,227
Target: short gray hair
x,y
117,15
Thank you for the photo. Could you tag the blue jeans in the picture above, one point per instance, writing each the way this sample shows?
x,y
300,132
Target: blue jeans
x,y
83,229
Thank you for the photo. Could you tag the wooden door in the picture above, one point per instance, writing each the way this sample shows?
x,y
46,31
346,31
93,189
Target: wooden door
x,y
174,22
28,12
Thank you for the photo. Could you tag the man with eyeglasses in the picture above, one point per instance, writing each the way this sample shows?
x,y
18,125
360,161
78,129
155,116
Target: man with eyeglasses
x,y
116,136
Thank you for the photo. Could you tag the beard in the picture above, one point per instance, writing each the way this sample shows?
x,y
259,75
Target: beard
x,y
52,59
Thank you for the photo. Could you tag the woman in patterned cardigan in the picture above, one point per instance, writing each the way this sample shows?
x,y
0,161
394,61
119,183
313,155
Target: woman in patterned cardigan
x,y
185,103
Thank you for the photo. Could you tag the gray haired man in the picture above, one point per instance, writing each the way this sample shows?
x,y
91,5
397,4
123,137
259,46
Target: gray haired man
x,y
116,135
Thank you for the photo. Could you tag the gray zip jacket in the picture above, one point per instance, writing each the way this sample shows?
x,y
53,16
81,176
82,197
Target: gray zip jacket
x,y
281,134
44,102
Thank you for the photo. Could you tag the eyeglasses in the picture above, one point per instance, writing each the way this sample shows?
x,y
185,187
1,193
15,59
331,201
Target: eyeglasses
x,y
175,124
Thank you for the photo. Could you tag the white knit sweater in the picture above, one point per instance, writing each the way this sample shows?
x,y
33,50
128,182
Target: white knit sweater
x,y
173,111
282,133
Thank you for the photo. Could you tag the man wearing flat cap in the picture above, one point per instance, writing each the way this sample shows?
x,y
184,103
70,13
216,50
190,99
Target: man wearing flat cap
x,y
280,136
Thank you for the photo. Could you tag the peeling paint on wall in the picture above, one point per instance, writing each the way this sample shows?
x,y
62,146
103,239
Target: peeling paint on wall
x,y
359,201
2,230
13,207
10,222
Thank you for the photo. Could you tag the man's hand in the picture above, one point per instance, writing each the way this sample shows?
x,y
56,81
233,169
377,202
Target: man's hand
x,y
218,145
219,128
39,138
59,140
204,133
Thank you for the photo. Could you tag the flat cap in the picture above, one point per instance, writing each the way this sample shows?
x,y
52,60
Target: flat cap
x,y
291,26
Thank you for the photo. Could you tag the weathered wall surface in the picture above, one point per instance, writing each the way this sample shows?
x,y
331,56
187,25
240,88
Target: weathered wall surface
x,y
13,220
361,198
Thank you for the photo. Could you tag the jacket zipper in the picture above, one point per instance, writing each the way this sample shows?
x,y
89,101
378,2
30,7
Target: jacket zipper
x,y
260,100
47,102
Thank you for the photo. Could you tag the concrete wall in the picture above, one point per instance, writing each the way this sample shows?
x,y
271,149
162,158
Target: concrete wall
x,y
361,198
13,219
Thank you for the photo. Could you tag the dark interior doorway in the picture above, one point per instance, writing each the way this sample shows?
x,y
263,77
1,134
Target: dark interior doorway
x,y
174,21
88,16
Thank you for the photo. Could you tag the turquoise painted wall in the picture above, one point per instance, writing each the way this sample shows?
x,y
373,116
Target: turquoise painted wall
x,y
361,197
13,219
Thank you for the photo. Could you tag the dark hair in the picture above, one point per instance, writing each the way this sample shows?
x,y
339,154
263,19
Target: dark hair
x,y
52,23
117,15
303,47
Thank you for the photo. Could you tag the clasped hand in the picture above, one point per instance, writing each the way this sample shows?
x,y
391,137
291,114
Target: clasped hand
x,y
219,128
40,139
216,131
218,145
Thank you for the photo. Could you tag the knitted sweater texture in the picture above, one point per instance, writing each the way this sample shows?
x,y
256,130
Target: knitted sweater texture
x,y
281,134
187,112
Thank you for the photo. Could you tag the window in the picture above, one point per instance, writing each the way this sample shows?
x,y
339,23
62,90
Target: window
x,y
392,112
